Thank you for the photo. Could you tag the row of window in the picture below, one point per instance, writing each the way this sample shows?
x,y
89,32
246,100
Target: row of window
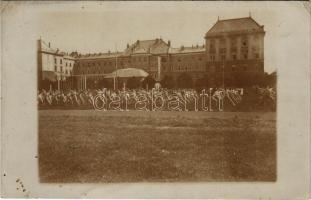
x,y
254,48
65,71
61,62
138,59
234,56
234,40
233,68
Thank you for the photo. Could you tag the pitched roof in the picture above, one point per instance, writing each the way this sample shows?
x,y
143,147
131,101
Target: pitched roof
x,y
148,47
99,55
193,49
235,25
48,49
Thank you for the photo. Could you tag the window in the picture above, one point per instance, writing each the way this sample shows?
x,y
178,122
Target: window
x,y
55,68
233,57
61,61
55,60
66,64
223,57
245,56
61,69
244,41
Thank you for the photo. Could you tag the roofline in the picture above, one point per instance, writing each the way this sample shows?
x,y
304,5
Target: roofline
x,y
230,33
249,17
230,19
188,52
234,19
53,53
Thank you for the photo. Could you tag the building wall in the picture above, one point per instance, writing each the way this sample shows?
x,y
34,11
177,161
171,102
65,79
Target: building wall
x,y
56,63
236,51
226,56
171,64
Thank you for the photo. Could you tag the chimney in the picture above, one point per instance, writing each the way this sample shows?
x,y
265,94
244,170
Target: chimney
x,y
169,43
39,44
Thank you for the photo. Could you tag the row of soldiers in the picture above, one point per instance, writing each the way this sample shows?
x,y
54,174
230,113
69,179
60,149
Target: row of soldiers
x,y
87,97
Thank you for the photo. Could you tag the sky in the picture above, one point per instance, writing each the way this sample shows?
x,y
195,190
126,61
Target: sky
x,y
89,28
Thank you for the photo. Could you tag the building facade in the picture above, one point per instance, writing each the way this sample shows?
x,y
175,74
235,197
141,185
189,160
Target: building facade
x,y
235,50
232,55
54,66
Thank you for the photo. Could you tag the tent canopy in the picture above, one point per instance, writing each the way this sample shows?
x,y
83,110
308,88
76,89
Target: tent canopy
x,y
127,73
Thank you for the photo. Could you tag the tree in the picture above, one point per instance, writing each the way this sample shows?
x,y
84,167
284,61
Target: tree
x,y
184,81
148,81
133,83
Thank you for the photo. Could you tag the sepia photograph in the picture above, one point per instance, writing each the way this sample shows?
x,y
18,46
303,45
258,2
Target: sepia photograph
x,y
155,99
157,106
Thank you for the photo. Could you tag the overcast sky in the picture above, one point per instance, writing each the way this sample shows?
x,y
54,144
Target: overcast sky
x,y
112,25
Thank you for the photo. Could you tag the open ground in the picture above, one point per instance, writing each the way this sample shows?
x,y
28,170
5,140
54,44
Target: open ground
x,y
135,146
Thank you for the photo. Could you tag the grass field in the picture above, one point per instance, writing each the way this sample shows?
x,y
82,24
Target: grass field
x,y
134,146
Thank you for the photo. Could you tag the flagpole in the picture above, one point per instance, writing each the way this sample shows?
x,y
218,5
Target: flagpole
x,y
116,49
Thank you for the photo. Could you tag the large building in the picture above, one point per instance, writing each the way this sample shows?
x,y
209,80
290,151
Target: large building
x,y
232,55
54,66
235,50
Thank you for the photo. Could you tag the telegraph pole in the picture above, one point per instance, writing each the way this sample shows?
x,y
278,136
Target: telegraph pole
x,y
223,74
115,79
223,81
